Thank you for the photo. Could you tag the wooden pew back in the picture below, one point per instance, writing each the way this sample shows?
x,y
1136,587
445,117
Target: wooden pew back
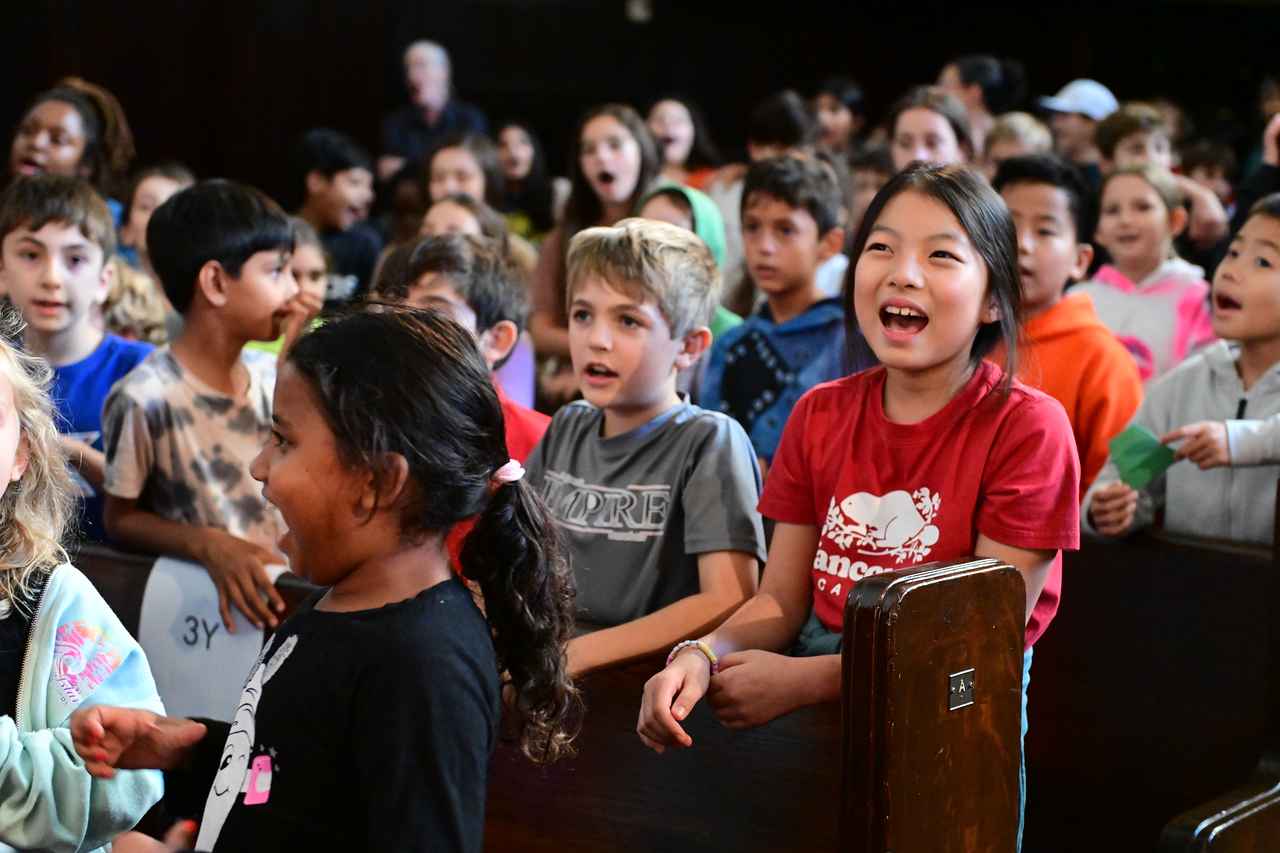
x,y
779,787
1247,818
771,788
933,710
1146,694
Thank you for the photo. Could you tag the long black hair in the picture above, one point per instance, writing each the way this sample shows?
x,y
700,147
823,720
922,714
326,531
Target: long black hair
x,y
703,152
1003,81
584,208
485,153
985,219
413,383
536,195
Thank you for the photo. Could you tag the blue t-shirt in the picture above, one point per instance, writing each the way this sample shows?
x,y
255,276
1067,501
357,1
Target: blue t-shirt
x,y
78,392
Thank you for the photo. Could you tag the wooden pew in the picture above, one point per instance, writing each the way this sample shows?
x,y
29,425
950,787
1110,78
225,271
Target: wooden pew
x,y
1146,691
892,767
933,709
1247,818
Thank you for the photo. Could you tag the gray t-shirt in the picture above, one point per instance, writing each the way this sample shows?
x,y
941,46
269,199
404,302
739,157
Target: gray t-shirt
x,y
637,509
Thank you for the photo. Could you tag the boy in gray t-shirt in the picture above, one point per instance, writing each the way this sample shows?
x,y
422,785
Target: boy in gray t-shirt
x,y
655,497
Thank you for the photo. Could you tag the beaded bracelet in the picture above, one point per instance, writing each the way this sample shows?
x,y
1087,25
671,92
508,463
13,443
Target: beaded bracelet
x,y
700,646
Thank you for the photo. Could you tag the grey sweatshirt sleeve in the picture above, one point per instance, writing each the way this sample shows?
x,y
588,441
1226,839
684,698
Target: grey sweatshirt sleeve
x,y
1155,415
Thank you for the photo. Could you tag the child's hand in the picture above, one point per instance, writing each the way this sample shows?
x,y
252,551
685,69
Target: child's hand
x,y
753,688
238,569
1204,443
1207,222
303,309
110,738
85,458
177,839
1112,508
74,449
669,697
1271,142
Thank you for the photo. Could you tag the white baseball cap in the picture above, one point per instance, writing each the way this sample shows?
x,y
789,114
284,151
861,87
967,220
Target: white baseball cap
x,y
1087,97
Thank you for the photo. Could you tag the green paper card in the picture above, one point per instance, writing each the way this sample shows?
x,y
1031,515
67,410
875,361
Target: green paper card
x,y
1139,455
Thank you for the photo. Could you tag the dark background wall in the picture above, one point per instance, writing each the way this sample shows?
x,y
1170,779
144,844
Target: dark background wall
x,y
226,85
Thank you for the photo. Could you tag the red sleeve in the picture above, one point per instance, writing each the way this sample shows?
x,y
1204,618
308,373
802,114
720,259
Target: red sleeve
x,y
1031,480
788,490
524,427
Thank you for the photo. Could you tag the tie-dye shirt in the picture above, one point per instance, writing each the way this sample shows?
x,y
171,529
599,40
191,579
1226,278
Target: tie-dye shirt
x,y
183,449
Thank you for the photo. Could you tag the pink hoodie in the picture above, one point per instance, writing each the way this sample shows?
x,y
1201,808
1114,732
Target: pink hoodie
x,y
1161,319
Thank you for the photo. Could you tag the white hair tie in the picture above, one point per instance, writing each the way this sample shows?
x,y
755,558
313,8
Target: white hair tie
x,y
508,473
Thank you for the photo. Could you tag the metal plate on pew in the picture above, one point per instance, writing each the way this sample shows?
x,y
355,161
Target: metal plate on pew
x,y
960,690
199,667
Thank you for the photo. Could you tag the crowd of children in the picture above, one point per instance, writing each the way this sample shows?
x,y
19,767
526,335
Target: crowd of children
x,y
688,401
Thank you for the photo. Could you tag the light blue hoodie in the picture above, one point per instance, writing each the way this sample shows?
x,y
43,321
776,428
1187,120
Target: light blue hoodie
x,y
78,654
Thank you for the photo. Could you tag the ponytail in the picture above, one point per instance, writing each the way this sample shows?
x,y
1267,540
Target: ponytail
x,y
413,383
514,554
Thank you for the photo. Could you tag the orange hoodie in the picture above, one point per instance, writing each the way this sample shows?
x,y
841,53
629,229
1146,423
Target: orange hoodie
x,y
1071,356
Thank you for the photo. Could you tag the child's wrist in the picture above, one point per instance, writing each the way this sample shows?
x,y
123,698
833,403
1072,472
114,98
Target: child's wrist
x,y
702,648
817,679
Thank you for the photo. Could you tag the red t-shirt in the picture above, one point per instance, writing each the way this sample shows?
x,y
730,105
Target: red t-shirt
x,y
524,429
890,495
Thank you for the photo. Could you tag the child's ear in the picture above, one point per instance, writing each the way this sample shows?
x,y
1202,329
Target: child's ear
x,y
696,341
211,281
991,311
105,283
1084,257
384,484
126,234
497,342
20,458
1105,166
830,244
1177,220
316,182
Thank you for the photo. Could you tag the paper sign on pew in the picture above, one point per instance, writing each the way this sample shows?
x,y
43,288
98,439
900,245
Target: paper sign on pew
x,y
199,667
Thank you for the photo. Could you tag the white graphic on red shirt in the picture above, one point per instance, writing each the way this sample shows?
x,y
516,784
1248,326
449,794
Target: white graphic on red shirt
x,y
897,525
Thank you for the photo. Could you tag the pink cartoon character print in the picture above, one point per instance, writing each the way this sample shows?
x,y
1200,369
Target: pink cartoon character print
x,y
83,656
234,775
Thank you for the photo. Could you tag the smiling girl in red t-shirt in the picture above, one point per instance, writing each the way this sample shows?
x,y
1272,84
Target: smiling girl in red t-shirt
x,y
935,455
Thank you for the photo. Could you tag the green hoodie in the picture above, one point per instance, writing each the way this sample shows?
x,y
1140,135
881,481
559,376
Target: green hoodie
x,y
709,225
707,221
